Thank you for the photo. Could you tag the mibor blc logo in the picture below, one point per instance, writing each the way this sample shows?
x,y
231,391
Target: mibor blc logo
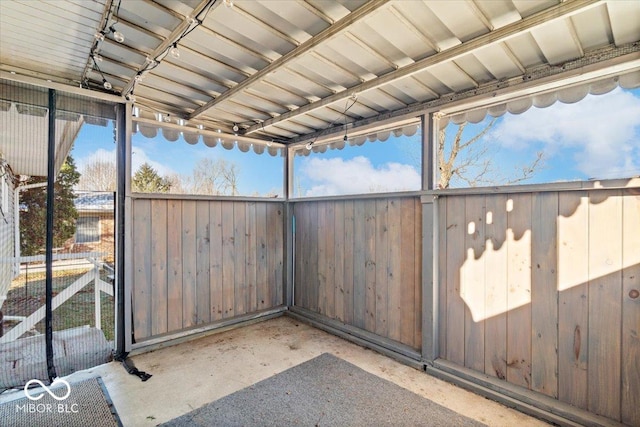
x,y
59,394
38,396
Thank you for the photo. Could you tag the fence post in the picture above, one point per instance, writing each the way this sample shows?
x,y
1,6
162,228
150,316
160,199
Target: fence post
x,y
96,290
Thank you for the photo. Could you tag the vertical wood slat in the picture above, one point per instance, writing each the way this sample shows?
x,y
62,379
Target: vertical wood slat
x,y
239,240
215,261
408,303
605,303
630,407
159,267
359,265
203,284
275,218
395,288
417,273
321,264
251,257
495,258
301,258
443,280
472,282
314,238
339,260
519,296
329,260
189,266
228,261
174,265
573,301
262,276
141,274
455,253
544,294
348,262
381,267
370,265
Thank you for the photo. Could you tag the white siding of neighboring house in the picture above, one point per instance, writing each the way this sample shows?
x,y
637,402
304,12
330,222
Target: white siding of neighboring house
x,y
7,230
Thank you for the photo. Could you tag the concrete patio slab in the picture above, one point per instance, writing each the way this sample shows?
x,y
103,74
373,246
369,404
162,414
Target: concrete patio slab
x,y
191,374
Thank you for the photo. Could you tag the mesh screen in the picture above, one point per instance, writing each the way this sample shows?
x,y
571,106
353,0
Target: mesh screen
x,y
82,268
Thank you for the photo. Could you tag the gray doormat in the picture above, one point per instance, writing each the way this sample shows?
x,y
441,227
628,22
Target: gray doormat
x,y
87,404
325,391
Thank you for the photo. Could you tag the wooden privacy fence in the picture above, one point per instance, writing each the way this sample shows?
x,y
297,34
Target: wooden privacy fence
x,y
541,290
199,261
359,262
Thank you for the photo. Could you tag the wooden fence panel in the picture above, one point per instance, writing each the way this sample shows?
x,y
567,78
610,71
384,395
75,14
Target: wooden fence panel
x,y
251,256
174,264
560,275
215,261
159,290
228,261
472,276
142,293
370,265
359,265
573,303
544,294
338,260
455,255
200,261
275,251
630,308
358,261
519,296
348,261
395,288
605,297
189,264
496,291
203,261
405,272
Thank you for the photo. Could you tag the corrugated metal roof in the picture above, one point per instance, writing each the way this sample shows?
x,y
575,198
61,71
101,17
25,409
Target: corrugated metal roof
x,y
286,69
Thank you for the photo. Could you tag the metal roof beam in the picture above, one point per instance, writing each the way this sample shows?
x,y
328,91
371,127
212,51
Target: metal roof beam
x,y
567,8
613,59
172,38
321,37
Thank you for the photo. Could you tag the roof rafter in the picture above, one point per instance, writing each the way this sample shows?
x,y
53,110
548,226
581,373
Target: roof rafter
x,y
567,8
172,38
324,35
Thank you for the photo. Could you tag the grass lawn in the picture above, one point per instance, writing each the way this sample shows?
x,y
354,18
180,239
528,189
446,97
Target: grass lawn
x,y
27,294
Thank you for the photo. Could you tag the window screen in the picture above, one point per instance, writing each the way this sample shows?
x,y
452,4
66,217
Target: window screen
x,y
88,229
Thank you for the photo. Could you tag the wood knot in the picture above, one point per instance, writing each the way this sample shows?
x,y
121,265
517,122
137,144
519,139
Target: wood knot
x,y
634,293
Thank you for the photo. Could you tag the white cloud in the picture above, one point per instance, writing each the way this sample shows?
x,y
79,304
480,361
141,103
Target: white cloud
x,y
138,158
603,130
100,155
323,177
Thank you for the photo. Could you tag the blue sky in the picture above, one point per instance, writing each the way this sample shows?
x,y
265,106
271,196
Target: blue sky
x,y
261,174
596,138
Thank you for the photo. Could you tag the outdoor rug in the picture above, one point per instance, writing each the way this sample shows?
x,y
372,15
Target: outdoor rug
x,y
82,404
325,391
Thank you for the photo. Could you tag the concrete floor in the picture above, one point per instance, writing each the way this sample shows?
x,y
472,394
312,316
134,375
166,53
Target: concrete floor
x,y
189,375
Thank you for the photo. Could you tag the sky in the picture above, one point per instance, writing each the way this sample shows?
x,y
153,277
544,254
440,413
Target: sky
x,y
259,174
596,138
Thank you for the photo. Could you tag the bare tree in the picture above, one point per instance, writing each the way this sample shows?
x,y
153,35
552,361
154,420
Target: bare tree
x,y
471,161
99,175
213,177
